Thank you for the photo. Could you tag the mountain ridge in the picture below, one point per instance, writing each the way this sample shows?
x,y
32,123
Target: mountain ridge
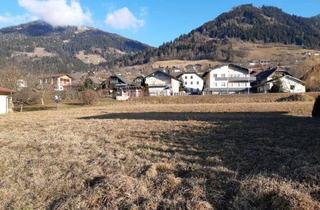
x,y
40,46
248,23
64,42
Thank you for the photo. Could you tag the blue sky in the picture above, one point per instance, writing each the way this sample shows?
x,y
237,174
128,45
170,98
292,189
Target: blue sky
x,y
149,21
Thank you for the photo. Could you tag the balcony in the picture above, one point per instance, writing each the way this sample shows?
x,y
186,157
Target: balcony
x,y
235,79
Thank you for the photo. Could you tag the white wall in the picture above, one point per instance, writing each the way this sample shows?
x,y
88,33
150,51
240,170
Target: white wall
x,y
155,91
175,86
289,86
160,79
192,81
215,78
292,86
3,104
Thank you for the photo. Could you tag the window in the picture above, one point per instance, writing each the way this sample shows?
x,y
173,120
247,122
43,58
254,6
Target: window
x,y
215,84
223,84
186,83
191,83
198,82
223,75
215,75
191,77
292,87
186,77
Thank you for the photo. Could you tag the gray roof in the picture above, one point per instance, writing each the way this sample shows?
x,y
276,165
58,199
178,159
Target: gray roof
x,y
231,66
265,74
162,72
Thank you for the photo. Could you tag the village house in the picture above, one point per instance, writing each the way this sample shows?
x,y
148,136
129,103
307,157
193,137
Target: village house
x,y
122,90
5,100
58,81
267,80
160,83
271,74
227,79
192,82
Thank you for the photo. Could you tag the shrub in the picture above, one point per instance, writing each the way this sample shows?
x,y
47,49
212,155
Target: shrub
x,y
277,87
89,97
296,97
316,108
26,97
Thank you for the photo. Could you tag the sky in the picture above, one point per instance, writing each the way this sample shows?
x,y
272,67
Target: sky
x,y
149,21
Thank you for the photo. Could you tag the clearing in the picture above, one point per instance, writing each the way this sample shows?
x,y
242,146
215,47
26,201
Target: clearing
x,y
134,155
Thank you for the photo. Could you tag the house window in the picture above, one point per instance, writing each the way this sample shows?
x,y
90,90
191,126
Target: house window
x,y
223,84
292,87
191,77
191,83
198,82
223,75
186,77
186,83
215,75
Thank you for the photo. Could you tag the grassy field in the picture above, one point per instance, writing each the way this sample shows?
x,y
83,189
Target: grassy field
x,y
162,156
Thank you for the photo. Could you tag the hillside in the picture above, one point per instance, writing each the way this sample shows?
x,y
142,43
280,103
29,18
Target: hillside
x,y
39,46
312,78
244,23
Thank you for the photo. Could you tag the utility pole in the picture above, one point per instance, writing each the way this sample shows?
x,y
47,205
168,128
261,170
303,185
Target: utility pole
x,y
249,83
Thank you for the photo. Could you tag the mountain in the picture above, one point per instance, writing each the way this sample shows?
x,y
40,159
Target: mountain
x,y
39,46
245,23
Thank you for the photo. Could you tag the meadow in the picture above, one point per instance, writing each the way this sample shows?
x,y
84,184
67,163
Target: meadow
x,y
150,155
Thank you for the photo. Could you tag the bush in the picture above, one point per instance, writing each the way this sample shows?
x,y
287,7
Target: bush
x,y
89,97
277,87
295,97
26,97
316,108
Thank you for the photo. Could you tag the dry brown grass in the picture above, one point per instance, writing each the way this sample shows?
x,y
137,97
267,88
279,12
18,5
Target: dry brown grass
x,y
162,156
222,99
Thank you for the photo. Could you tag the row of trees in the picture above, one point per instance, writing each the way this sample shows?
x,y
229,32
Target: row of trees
x,y
32,92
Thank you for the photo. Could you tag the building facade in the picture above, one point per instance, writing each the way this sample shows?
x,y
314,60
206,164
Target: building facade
x,y
289,84
192,82
227,79
59,82
160,83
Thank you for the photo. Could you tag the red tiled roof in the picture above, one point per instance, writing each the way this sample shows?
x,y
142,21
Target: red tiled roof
x,y
6,91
